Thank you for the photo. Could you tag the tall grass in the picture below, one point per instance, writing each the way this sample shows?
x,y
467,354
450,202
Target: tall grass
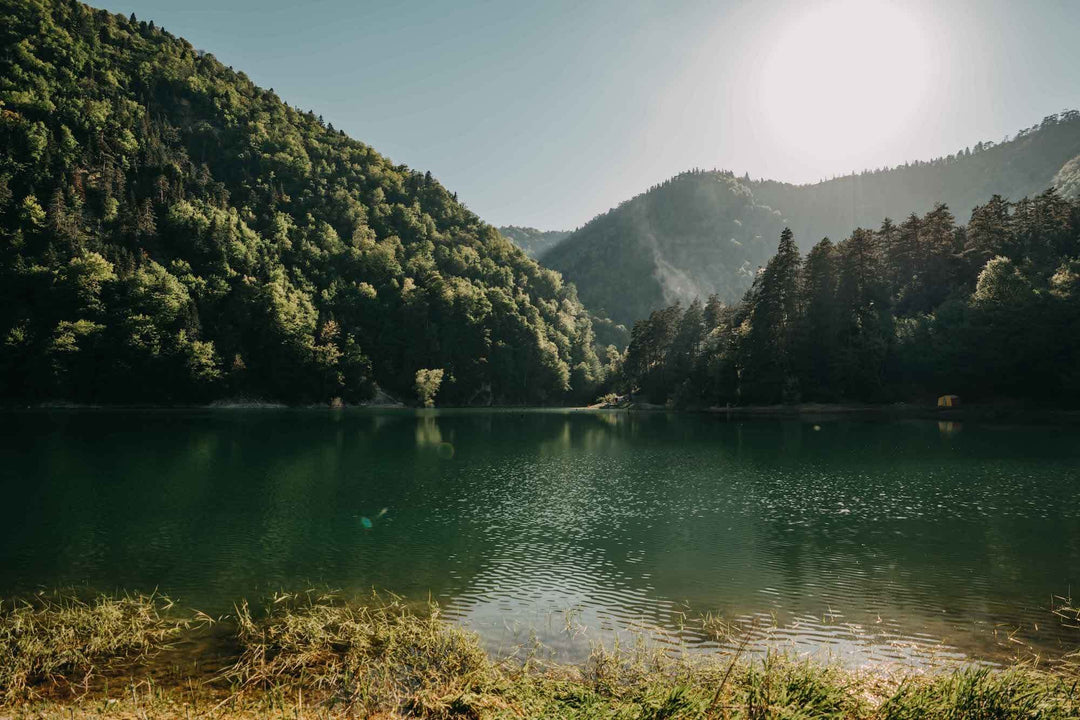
x,y
315,655
56,640
374,657
983,693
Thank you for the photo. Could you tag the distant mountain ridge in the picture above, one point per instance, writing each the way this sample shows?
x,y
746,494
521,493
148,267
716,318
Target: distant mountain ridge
x,y
1019,167
534,242
693,235
707,232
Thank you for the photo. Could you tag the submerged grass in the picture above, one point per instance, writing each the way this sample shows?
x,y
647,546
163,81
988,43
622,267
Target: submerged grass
x,y
56,641
315,655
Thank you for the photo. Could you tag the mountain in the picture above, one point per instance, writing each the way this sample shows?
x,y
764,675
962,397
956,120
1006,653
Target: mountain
x,y
706,232
1024,166
533,241
172,232
697,234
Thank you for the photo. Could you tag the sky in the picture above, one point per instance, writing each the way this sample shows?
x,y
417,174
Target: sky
x,y
548,113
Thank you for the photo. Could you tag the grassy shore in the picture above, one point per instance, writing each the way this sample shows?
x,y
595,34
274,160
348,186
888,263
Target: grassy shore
x,y
313,655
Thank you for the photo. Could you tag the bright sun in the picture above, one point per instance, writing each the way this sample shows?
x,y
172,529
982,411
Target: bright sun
x,y
844,77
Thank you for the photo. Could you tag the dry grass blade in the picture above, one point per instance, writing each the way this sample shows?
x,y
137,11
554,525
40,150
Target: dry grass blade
x,y
731,666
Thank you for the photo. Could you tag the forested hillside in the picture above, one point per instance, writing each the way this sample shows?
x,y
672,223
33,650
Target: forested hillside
x,y
905,312
704,233
608,333
697,234
1024,166
172,232
533,241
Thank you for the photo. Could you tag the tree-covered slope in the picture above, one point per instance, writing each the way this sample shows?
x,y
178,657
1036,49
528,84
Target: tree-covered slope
x,y
701,233
1067,181
172,232
698,234
534,242
1024,166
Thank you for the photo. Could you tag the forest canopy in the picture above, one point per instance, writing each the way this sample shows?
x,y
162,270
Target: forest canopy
x,y
173,233
909,311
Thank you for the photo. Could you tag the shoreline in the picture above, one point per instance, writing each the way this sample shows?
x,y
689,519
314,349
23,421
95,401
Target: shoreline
x,y
315,655
1008,411
1003,411
808,412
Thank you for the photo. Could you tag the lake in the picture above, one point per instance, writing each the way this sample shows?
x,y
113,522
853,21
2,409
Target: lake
x,y
863,540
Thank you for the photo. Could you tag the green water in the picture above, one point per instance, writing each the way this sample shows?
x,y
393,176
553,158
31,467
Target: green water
x,y
864,540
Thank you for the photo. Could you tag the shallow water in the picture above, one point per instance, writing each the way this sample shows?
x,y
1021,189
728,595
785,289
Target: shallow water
x,y
898,540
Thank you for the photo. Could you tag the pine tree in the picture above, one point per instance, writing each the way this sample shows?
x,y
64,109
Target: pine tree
x,y
774,324
865,331
821,319
989,233
686,344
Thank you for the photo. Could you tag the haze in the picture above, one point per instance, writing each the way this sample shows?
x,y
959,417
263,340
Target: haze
x,y
547,114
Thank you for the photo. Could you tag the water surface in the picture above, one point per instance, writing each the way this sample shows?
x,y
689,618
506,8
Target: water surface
x,y
865,540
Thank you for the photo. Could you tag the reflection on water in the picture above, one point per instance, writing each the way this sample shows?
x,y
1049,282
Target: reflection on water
x,y
866,540
948,427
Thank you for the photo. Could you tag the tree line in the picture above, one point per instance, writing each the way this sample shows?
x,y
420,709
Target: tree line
x,y
908,311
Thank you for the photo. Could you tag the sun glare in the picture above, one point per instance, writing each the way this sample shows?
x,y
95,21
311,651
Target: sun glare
x,y
843,77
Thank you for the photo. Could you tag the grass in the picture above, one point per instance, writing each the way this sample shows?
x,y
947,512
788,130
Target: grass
x,y
314,655
54,640
370,657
